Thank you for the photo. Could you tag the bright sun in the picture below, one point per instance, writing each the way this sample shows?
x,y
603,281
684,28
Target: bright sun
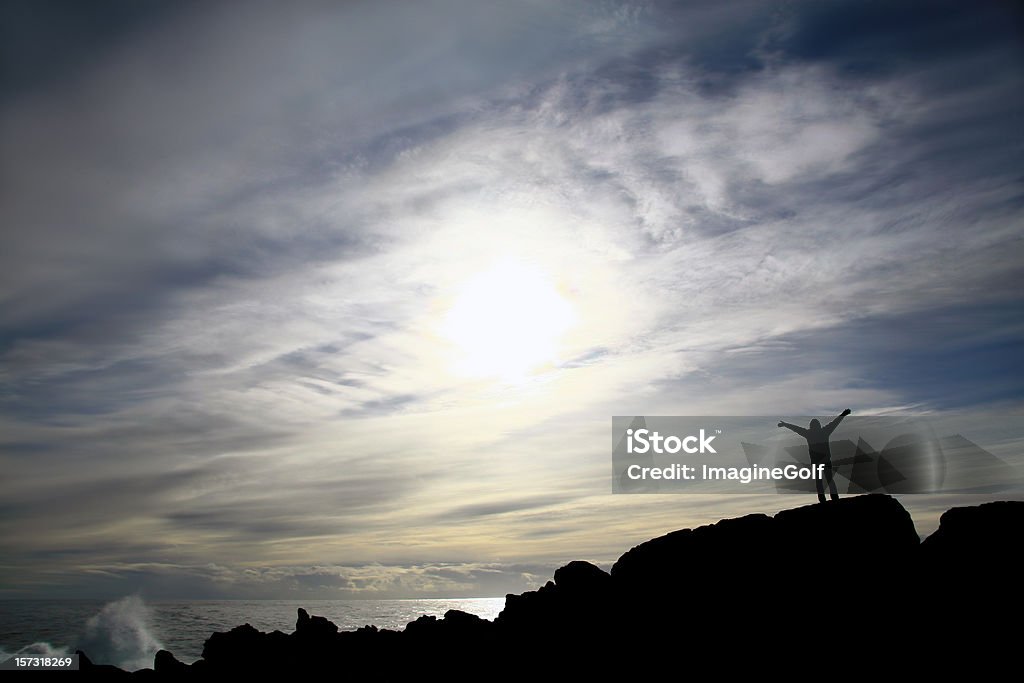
x,y
507,321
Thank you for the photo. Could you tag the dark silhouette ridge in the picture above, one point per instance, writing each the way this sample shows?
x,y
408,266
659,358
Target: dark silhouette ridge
x,y
746,595
108,671
820,452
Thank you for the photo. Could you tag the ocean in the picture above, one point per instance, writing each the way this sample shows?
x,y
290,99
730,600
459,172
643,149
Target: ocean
x,y
129,631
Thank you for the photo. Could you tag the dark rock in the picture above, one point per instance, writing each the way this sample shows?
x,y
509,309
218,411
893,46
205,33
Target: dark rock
x,y
424,623
582,578
780,573
457,619
861,528
237,647
971,564
799,588
314,627
841,535
454,624
166,663
986,534
725,549
531,609
107,670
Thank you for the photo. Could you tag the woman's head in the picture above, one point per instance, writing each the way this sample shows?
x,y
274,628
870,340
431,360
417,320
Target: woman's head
x,y
815,424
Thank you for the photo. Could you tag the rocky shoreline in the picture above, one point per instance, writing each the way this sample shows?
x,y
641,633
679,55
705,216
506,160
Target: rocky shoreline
x,y
819,588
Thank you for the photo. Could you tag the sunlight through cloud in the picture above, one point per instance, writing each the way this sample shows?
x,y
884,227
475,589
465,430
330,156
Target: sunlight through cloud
x,y
507,322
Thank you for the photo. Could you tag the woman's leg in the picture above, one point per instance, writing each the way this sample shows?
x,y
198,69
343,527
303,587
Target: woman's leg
x,y
831,483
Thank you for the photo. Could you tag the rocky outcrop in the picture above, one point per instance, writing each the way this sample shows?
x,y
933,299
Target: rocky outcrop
x,y
106,670
972,564
166,663
810,588
989,533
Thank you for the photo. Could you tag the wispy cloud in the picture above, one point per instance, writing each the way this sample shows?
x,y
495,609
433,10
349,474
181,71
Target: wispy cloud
x,y
230,241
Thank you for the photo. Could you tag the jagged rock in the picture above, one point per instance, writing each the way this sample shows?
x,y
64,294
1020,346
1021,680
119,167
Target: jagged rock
x,y
237,646
977,550
424,626
85,664
582,578
166,663
530,609
457,619
861,528
989,529
314,627
725,548
796,589
455,624
839,536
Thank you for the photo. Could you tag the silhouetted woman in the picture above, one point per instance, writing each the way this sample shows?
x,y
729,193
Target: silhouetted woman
x,y
817,444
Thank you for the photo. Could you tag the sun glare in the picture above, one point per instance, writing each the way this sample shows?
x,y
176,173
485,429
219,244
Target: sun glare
x,y
507,322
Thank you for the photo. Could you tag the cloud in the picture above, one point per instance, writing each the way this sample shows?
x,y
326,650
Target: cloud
x,y
225,268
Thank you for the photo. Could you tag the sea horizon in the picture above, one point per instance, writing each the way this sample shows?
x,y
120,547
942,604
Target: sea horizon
x,y
129,631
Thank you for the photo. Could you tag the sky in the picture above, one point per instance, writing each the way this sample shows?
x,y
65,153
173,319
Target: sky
x,y
337,299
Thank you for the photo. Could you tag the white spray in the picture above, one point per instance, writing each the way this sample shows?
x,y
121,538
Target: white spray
x,y
120,634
